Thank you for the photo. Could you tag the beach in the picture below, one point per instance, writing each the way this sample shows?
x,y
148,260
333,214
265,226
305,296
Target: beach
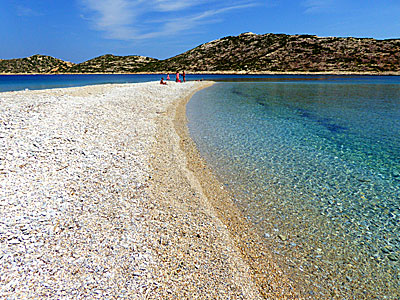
x,y
103,195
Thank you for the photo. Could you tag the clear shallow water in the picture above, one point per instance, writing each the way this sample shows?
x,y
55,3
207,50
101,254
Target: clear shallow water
x,y
315,165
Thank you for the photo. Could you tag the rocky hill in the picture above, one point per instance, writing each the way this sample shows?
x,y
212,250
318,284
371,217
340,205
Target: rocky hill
x,y
112,64
34,64
248,52
251,52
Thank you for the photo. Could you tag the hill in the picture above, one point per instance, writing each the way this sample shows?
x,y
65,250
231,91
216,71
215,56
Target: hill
x,y
247,52
34,64
251,52
112,64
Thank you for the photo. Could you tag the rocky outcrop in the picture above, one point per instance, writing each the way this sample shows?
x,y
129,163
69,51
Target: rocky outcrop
x,y
251,52
112,64
34,64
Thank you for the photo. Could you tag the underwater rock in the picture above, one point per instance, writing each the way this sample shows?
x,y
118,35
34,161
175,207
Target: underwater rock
x,y
392,257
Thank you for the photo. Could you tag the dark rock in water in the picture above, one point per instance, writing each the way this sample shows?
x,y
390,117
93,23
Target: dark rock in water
x,y
363,179
325,122
392,257
334,127
240,93
261,102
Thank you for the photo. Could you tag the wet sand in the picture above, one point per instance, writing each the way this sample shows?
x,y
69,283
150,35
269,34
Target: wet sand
x,y
269,278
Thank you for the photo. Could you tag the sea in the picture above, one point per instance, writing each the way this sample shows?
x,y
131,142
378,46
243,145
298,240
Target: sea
x,y
37,82
312,161
314,165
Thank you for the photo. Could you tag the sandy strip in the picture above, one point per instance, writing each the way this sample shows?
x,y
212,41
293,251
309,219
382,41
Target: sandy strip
x,y
98,200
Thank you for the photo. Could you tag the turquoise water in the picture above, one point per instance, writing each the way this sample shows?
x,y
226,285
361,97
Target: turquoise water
x,y
315,166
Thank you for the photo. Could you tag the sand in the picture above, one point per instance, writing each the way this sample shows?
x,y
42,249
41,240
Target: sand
x,y
103,195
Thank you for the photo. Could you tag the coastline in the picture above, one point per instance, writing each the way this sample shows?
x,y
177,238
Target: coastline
x,y
197,258
268,276
344,73
103,195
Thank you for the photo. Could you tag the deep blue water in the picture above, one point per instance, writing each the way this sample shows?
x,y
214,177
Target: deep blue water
x,y
38,82
315,166
35,82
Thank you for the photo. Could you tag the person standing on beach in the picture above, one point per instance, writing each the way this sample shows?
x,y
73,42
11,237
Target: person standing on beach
x,y
168,76
184,76
177,77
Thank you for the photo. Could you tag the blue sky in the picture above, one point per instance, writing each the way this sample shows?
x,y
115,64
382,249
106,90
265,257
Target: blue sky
x,y
78,30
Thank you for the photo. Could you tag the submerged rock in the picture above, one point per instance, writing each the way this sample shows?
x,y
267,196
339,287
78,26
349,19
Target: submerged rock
x,y
393,257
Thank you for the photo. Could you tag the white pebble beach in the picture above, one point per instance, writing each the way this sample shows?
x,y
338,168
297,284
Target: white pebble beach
x,y
97,201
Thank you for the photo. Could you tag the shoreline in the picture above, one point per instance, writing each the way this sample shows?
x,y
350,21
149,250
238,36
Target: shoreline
x,y
268,276
339,73
103,196
210,265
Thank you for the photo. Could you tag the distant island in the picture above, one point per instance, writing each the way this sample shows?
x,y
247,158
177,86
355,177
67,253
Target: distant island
x,y
245,53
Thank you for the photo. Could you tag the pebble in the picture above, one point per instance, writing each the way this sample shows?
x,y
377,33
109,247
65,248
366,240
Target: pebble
x,y
73,165
282,237
14,242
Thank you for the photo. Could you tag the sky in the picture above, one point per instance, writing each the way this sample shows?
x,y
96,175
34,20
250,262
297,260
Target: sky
x,y
78,30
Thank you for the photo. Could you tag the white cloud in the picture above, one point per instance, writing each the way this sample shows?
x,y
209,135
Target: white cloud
x,y
317,6
143,19
162,5
24,11
112,16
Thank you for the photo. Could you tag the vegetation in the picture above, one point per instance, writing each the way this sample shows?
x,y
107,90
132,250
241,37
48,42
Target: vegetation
x,y
34,64
112,64
247,52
